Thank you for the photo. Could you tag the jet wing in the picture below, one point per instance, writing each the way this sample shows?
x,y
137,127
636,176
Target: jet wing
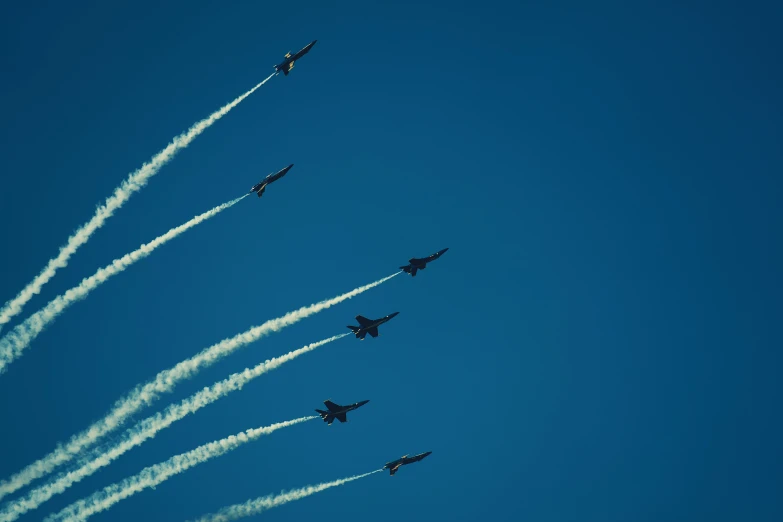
x,y
341,417
261,191
394,469
363,321
373,331
332,406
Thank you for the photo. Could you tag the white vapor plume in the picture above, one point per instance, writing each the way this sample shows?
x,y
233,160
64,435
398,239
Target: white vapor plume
x,y
149,427
15,342
165,381
134,182
151,476
256,506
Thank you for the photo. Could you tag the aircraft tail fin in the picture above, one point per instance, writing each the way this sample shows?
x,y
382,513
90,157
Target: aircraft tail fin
x,y
409,269
326,416
358,331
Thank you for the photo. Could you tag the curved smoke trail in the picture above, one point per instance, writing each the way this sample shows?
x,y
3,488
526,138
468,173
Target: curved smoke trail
x,y
149,427
15,342
153,475
256,506
165,381
135,182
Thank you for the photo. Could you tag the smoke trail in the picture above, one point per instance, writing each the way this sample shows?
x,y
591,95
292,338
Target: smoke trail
x,y
153,475
165,381
150,427
14,343
132,184
254,507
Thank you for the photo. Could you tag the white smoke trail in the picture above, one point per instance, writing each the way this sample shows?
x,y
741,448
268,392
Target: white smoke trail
x,y
151,476
132,184
165,381
15,342
254,507
149,427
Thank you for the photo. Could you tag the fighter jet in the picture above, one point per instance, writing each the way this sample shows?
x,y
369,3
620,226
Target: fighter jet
x,y
394,465
338,412
260,187
288,64
369,326
420,264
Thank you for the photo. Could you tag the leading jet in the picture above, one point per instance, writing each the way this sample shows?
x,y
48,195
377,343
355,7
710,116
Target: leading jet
x,y
420,264
338,412
288,64
260,187
394,465
369,326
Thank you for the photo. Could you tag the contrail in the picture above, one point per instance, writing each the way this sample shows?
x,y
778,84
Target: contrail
x,y
149,427
135,181
151,476
254,507
165,381
15,342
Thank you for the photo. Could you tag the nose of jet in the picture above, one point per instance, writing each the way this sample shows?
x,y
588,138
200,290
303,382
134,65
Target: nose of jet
x,y
427,454
392,316
442,251
362,403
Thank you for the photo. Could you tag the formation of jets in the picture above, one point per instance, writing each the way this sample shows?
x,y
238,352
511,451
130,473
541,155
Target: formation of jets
x,y
366,326
335,411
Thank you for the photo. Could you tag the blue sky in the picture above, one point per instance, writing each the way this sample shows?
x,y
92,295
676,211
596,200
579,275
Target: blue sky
x,y
601,342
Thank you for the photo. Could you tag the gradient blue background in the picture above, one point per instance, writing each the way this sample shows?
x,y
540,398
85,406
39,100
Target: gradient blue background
x,y
602,341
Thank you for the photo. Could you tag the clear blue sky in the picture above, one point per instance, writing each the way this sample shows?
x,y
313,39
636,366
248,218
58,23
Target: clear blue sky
x,y
601,342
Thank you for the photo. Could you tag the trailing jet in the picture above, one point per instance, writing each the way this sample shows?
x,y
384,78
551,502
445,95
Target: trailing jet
x,y
260,187
338,412
420,264
288,64
369,326
394,465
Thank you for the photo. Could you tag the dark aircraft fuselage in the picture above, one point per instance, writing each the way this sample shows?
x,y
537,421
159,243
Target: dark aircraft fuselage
x,y
394,465
260,187
287,64
370,326
416,264
338,412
